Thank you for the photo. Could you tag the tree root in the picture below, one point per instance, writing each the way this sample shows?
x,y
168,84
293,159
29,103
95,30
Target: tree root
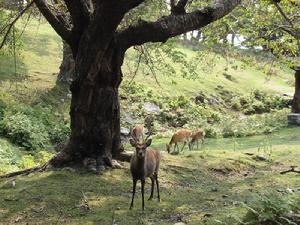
x,y
27,171
290,170
62,159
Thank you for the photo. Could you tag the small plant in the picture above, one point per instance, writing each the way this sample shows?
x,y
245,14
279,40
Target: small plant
x,y
269,209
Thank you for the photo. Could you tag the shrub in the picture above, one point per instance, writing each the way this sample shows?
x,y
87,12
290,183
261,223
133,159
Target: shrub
x,y
24,131
268,209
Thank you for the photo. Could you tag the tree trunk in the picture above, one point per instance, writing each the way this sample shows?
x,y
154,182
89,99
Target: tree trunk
x,y
67,67
95,113
296,99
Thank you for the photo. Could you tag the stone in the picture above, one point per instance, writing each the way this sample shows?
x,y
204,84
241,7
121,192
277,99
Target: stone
x,y
128,118
151,108
179,223
125,131
294,118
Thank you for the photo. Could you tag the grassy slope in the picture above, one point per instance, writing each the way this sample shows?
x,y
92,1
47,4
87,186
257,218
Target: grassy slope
x,y
195,187
246,79
186,180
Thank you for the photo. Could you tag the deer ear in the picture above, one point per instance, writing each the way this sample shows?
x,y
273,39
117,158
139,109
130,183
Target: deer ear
x,y
132,142
148,143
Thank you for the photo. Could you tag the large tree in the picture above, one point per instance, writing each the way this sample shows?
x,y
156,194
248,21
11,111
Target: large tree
x,y
98,40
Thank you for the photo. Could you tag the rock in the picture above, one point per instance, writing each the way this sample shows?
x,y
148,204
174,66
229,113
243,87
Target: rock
x,y
213,101
179,223
128,118
288,94
214,189
293,118
116,164
125,131
200,98
259,158
151,108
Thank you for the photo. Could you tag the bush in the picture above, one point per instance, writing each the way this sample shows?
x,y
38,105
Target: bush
x,y
268,209
31,127
24,131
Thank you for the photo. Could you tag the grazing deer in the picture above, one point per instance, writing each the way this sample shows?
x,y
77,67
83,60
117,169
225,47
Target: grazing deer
x,y
180,136
144,163
198,135
138,132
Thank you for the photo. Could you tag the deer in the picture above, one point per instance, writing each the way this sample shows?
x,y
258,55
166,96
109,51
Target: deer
x,y
196,136
138,132
180,136
144,163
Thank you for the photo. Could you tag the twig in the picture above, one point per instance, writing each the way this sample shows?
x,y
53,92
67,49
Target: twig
x,y
137,67
13,22
290,170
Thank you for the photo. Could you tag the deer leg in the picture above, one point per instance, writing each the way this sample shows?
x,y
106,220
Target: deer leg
x,y
133,193
143,200
176,145
197,144
184,143
152,188
157,187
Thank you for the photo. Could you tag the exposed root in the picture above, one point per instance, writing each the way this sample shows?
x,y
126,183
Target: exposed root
x,y
63,159
27,171
290,170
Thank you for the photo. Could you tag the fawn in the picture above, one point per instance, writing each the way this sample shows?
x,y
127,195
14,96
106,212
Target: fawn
x,y
198,135
180,136
144,163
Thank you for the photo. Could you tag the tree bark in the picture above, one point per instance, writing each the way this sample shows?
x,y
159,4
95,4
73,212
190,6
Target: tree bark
x,y
296,99
95,113
67,67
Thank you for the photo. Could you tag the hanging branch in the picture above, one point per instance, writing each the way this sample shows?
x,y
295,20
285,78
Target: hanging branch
x,y
10,26
137,66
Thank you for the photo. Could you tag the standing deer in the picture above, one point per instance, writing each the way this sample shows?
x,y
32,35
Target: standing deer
x,y
198,135
138,132
144,163
180,136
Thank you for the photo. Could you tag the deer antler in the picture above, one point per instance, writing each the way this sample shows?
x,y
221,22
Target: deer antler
x,y
150,132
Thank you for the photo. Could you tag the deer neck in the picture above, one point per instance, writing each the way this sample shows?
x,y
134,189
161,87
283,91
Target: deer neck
x,y
140,163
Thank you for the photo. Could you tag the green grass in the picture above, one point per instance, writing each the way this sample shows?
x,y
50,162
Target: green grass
x,y
38,59
247,78
206,185
196,187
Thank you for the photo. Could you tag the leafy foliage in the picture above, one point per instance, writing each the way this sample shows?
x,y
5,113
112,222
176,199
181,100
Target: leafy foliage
x,y
269,209
32,127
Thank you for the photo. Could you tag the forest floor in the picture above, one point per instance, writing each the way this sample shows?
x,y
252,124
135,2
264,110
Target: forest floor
x,y
214,185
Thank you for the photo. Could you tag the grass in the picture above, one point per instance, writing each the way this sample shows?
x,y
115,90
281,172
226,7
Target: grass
x,y
247,78
199,187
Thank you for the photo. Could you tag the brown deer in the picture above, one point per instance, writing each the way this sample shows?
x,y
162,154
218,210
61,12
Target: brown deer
x,y
144,163
180,136
198,135
138,132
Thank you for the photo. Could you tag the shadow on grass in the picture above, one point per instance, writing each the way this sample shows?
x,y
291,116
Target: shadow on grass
x,y
190,191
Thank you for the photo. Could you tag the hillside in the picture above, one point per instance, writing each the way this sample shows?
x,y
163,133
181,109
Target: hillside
x,y
193,87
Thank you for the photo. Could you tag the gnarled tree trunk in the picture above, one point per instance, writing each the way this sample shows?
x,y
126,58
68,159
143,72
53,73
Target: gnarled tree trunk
x,y
95,113
296,99
67,67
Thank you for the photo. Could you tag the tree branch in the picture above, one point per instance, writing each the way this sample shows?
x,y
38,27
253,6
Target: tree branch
x,y
62,29
173,25
282,13
80,14
13,23
293,33
179,8
130,4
